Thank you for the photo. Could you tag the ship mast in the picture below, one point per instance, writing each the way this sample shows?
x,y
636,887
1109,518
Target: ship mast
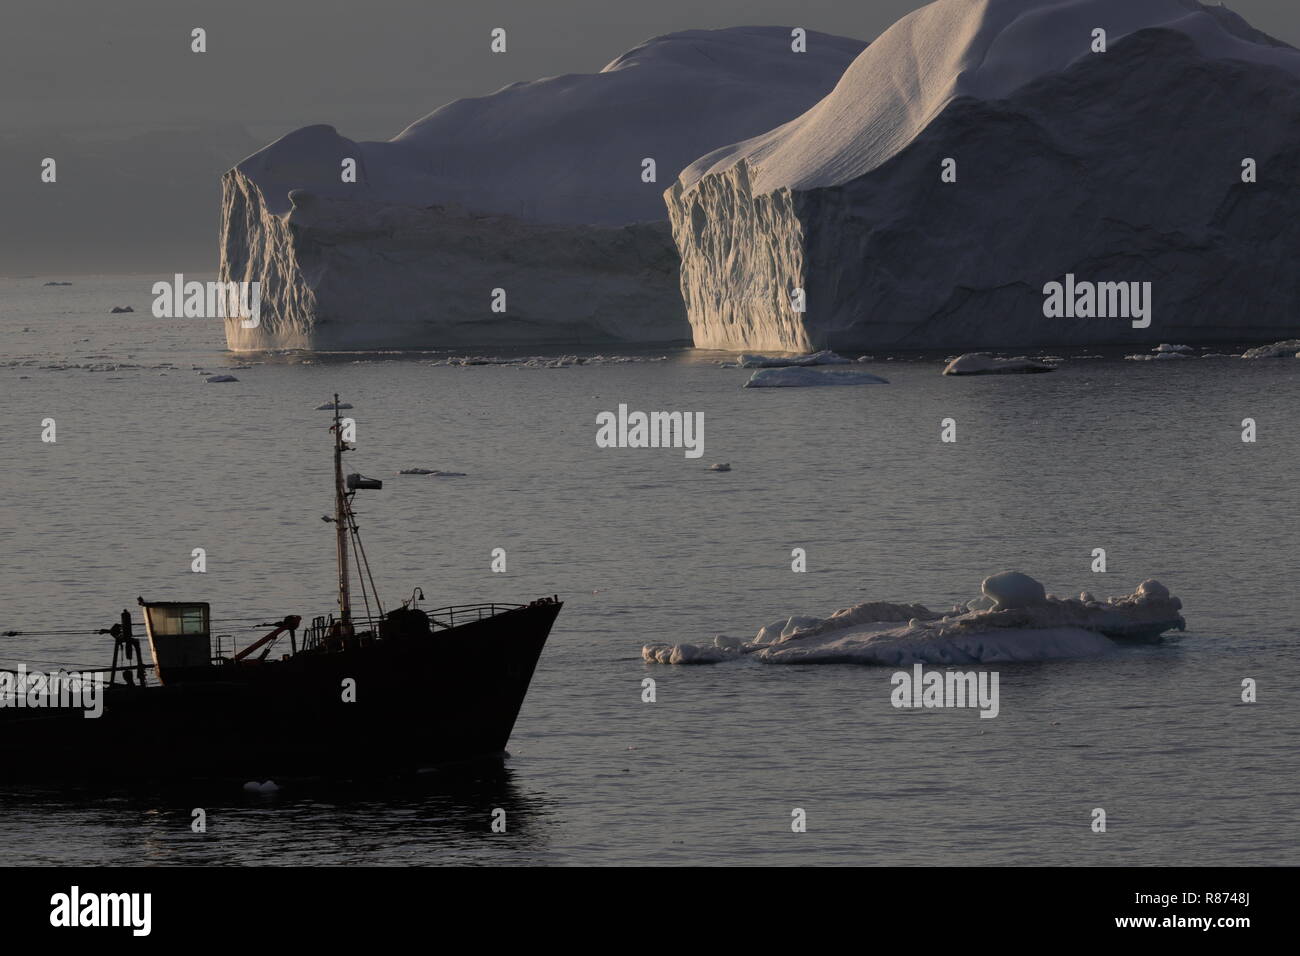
x,y
341,524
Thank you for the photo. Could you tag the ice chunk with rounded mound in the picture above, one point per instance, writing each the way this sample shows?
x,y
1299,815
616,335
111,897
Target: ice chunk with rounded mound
x,y
981,363
1283,349
1014,620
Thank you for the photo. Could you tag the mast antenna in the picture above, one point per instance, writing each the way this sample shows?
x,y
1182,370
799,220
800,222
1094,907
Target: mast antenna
x,y
341,524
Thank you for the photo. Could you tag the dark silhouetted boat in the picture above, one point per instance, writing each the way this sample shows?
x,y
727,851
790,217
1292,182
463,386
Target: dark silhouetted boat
x,y
353,696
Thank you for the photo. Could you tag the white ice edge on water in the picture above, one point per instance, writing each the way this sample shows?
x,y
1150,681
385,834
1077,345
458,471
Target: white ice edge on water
x,y
824,357
797,376
982,363
1284,349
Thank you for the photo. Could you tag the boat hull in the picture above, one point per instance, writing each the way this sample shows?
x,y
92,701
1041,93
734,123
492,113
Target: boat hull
x,y
394,705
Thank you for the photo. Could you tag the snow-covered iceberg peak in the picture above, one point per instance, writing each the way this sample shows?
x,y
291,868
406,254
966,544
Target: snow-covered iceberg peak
x,y
898,203
985,49
1014,619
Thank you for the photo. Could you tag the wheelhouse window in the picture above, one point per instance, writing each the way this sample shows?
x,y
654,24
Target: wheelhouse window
x,y
177,620
178,635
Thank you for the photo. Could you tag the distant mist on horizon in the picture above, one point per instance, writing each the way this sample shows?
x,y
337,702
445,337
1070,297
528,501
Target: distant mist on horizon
x,y
143,128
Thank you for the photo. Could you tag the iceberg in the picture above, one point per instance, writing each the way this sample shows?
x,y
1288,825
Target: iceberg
x,y
522,218
979,150
1014,619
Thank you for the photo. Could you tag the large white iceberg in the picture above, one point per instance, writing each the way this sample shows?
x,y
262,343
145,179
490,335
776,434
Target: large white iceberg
x,y
536,190
1118,166
1013,620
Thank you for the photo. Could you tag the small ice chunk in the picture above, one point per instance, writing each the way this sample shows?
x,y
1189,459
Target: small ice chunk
x,y
798,623
824,357
1152,590
1013,589
1166,347
684,654
982,363
798,377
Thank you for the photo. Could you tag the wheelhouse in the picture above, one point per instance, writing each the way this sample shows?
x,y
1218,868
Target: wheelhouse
x,y
179,635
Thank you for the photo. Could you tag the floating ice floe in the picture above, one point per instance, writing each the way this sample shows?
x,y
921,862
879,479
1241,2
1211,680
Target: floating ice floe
x,y
1166,347
1156,357
982,363
824,357
800,377
1284,349
547,361
1013,620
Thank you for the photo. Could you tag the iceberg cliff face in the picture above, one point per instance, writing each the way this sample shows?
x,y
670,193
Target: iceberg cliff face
x,y
537,190
1116,166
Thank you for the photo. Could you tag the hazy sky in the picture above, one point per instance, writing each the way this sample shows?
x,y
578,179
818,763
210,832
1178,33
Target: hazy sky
x,y
76,71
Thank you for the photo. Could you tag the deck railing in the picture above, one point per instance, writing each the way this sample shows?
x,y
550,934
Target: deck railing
x,y
442,618
455,615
